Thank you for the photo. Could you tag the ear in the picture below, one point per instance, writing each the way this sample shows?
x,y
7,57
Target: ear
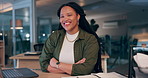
x,y
78,17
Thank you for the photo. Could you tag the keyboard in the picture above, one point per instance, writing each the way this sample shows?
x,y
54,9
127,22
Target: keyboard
x,y
12,73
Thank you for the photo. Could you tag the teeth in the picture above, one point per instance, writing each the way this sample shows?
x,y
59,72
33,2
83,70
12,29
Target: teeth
x,y
67,23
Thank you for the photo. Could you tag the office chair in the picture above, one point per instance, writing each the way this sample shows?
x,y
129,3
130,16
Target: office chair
x,y
38,47
134,70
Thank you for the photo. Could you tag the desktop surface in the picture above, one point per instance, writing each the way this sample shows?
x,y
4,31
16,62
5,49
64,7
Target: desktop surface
x,y
54,75
49,75
102,75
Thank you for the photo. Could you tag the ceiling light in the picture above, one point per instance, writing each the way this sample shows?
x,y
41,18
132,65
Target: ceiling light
x,y
6,10
19,24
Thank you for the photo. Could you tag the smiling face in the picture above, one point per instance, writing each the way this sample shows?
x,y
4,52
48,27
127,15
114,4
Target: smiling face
x,y
69,19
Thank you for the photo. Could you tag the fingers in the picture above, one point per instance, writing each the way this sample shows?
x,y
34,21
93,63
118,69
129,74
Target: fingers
x,y
49,68
53,62
81,61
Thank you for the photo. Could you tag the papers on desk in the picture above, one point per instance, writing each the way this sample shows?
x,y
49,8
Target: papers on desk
x,y
100,75
85,76
110,75
32,53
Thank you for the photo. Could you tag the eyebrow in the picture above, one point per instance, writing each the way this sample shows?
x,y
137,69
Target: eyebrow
x,y
67,13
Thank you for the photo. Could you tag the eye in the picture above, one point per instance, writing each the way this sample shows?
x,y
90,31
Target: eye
x,y
61,16
69,14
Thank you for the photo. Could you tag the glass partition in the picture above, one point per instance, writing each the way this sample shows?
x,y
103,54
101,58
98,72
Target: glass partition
x,y
43,29
16,25
5,31
22,19
7,35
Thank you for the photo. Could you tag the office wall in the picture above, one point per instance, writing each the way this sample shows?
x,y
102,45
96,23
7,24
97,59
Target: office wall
x,y
114,32
137,19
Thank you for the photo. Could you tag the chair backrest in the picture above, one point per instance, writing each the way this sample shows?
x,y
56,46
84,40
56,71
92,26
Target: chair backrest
x,y
133,67
38,47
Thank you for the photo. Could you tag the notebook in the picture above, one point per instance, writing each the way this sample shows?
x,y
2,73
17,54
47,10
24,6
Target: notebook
x,y
17,73
99,75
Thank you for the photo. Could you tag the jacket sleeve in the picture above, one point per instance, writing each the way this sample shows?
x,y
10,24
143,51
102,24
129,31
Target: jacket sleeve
x,y
47,53
91,49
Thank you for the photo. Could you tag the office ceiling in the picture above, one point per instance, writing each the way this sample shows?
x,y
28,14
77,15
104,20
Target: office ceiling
x,y
48,8
94,9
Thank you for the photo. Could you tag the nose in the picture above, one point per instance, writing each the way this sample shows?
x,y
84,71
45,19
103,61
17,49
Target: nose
x,y
66,18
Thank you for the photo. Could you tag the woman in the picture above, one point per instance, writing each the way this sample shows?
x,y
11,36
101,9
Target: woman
x,y
73,49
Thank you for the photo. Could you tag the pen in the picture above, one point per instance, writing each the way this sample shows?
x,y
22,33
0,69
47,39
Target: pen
x,y
97,76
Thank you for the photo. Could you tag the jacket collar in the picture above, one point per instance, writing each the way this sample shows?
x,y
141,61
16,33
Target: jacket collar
x,y
81,34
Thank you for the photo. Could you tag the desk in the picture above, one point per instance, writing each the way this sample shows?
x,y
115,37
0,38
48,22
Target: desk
x,y
102,75
49,75
104,58
54,75
32,62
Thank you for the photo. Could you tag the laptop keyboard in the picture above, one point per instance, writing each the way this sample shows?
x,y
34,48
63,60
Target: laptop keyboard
x,y
12,74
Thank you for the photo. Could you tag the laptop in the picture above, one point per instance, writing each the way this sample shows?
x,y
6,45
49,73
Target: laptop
x,y
17,73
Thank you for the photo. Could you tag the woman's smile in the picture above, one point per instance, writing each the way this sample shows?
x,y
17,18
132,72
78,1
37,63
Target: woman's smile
x,y
67,23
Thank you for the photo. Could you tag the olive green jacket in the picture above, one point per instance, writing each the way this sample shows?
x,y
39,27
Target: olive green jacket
x,y
85,47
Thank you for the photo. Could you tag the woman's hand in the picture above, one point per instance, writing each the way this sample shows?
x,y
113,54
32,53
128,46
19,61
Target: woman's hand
x,y
54,70
81,61
53,62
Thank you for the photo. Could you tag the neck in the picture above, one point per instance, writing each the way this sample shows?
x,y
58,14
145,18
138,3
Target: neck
x,y
73,31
